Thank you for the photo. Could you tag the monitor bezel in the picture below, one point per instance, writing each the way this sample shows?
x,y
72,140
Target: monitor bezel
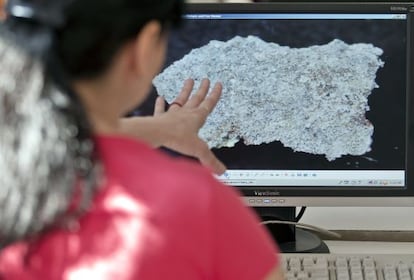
x,y
260,196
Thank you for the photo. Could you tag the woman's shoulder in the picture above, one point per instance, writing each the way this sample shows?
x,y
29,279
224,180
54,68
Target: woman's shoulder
x,y
171,198
131,158
147,173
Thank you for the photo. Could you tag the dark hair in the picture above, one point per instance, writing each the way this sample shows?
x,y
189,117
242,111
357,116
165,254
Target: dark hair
x,y
46,149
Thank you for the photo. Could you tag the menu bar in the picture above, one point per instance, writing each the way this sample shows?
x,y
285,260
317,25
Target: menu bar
x,y
342,178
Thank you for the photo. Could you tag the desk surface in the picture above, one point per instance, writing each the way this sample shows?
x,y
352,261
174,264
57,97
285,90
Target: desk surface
x,y
368,247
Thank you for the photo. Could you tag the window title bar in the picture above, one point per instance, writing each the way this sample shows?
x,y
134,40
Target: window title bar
x,y
294,16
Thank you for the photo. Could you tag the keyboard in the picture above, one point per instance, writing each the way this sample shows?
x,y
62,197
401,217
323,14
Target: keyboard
x,y
348,267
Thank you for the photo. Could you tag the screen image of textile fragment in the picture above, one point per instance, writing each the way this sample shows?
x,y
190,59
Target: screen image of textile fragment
x,y
312,99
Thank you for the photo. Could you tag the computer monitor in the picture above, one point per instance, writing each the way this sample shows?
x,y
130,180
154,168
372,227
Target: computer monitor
x,y
317,105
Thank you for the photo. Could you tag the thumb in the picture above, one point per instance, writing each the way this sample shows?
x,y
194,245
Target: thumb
x,y
209,160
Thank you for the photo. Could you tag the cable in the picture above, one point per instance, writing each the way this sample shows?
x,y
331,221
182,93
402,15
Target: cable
x,y
305,226
300,215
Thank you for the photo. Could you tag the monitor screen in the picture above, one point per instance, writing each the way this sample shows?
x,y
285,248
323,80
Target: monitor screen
x,y
316,107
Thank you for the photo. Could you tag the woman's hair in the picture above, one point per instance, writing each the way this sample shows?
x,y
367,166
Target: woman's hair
x,y
49,169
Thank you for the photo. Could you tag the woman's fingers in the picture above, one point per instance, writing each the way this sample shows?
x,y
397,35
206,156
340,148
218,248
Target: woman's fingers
x,y
159,106
183,96
210,102
207,158
201,99
200,95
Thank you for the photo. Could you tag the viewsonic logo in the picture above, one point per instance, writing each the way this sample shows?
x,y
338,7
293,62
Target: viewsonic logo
x,y
266,193
398,9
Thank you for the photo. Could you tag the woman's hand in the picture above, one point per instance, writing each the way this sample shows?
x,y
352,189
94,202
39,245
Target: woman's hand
x,y
184,118
177,128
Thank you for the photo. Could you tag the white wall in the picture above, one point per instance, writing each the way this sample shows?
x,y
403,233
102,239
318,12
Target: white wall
x,y
361,218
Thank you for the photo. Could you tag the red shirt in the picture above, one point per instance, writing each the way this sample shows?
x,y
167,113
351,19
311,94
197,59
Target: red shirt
x,y
155,218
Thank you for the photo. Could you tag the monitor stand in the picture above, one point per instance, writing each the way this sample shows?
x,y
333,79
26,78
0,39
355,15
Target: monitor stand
x,y
289,238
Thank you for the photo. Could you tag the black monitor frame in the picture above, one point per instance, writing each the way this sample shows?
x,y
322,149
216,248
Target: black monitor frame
x,y
279,202
259,196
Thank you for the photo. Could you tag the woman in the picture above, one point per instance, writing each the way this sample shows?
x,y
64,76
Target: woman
x,y
80,198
